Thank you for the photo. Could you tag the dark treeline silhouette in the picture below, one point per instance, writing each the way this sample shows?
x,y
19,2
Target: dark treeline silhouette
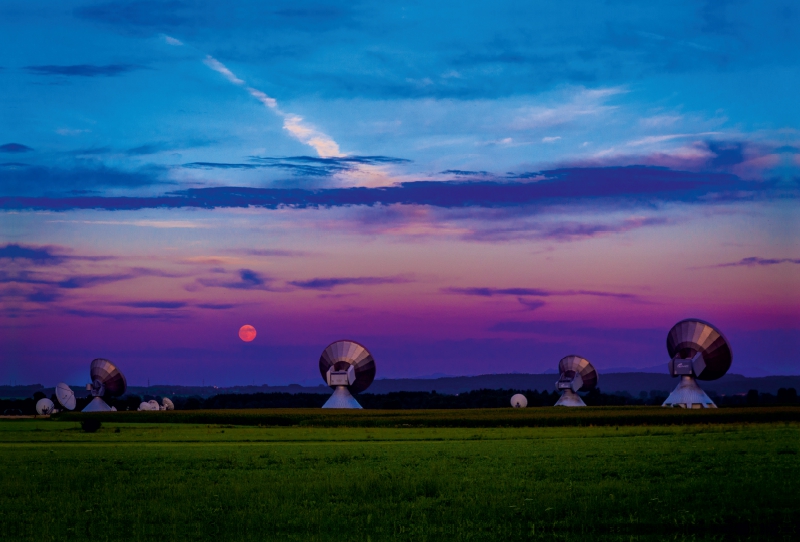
x,y
405,400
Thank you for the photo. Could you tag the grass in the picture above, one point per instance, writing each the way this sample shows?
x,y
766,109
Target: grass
x,y
478,417
144,481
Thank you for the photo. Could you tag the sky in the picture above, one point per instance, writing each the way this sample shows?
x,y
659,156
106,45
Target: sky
x,y
463,187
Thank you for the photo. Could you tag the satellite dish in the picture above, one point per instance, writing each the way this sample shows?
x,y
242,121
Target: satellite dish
x,y
65,396
149,405
168,404
519,401
154,404
577,374
108,380
347,367
699,351
44,406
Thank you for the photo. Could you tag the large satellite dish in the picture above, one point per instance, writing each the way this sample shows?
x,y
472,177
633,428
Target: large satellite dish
x,y
65,396
168,404
44,406
576,374
347,367
107,380
519,401
699,351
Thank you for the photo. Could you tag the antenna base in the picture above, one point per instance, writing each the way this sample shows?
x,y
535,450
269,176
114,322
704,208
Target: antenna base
x,y
341,398
687,394
97,405
570,398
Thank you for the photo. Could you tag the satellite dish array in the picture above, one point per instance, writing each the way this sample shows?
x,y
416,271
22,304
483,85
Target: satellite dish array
x,y
698,350
152,404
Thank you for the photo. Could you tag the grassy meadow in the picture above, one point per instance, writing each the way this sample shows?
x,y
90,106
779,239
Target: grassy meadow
x,y
147,481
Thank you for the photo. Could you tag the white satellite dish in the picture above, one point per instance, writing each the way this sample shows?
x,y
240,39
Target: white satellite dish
x,y
149,405
65,396
168,404
519,401
154,404
44,406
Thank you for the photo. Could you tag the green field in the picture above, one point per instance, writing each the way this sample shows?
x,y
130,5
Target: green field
x,y
148,481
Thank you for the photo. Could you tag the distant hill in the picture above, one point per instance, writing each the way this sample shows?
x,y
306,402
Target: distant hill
x,y
632,383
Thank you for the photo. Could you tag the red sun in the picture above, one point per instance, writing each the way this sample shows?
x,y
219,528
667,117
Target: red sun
x,y
247,333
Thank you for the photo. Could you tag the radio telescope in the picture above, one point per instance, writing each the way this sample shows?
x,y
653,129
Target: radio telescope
x,y
346,366
576,374
519,401
106,380
44,406
65,396
168,404
699,351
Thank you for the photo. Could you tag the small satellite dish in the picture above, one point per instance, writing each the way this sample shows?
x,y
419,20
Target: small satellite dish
x,y
699,351
519,401
347,367
44,406
577,374
65,396
154,404
149,405
107,380
168,404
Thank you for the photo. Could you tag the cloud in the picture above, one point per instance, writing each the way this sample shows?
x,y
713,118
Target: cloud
x,y
303,165
531,304
753,261
615,187
14,148
154,304
247,280
216,306
35,255
550,139
332,282
84,70
534,292
269,252
50,181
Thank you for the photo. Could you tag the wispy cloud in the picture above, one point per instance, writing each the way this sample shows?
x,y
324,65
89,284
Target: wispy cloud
x,y
332,282
533,292
14,148
247,280
84,70
755,261
303,165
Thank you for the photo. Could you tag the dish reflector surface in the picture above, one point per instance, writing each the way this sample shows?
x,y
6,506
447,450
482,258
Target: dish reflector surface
x,y
65,396
519,401
690,337
341,355
109,375
44,406
571,365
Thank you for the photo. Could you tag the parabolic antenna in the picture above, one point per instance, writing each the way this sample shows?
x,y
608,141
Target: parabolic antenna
x,y
519,401
168,404
65,396
577,374
44,406
148,405
699,351
347,367
107,380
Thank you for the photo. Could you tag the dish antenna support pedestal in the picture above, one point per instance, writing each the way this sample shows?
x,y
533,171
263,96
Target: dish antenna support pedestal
x,y
569,398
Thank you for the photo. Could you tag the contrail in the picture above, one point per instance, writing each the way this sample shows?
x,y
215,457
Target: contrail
x,y
325,146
